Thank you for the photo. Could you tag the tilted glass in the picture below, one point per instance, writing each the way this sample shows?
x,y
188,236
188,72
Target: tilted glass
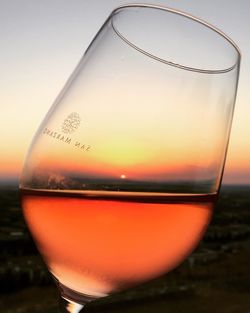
x,y
121,178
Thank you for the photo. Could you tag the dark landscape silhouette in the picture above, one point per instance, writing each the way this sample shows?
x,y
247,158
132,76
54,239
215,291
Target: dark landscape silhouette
x,y
215,277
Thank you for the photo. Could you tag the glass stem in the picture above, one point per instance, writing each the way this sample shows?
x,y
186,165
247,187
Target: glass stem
x,y
69,306
71,301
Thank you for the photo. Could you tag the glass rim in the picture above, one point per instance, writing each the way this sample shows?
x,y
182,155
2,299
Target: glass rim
x,y
185,15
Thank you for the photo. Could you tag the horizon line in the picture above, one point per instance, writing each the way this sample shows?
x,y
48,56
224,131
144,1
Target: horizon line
x,y
15,181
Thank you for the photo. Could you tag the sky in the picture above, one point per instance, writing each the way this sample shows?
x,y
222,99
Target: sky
x,y
42,41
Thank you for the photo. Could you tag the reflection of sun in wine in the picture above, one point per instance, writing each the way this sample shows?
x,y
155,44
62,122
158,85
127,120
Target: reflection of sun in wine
x,y
123,176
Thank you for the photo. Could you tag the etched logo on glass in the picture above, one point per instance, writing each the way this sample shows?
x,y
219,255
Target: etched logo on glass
x,y
71,123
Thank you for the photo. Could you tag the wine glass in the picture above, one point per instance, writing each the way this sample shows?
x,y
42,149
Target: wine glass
x,y
122,176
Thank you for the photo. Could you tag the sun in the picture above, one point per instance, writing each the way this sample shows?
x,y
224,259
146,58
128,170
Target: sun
x,y
123,176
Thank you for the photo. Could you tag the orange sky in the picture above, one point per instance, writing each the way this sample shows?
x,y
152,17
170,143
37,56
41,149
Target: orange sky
x,y
44,41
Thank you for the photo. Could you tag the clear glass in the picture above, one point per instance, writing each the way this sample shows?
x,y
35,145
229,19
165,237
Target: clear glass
x,y
121,178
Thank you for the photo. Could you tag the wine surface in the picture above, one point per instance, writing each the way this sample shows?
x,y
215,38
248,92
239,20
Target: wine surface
x,y
98,243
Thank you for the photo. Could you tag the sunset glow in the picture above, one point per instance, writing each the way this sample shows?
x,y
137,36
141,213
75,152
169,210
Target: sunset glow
x,y
32,79
157,148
